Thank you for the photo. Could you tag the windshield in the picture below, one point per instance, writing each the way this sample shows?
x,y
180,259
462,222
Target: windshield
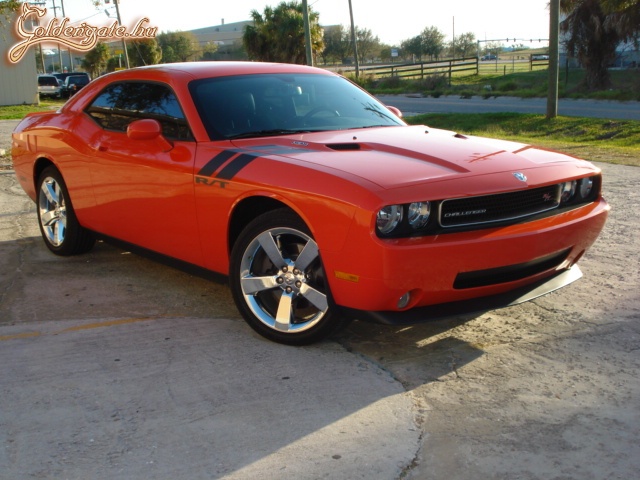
x,y
276,104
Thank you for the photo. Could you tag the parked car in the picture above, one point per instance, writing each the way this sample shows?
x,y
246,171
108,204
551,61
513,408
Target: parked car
x,y
72,84
489,57
319,203
61,76
48,86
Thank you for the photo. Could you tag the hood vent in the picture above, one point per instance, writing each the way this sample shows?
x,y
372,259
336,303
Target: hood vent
x,y
344,146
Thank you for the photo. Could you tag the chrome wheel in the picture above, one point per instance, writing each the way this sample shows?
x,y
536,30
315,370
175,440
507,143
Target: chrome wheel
x,y
278,281
282,280
52,211
61,231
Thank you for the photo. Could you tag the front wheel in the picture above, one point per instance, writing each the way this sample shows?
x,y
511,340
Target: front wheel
x,y
278,281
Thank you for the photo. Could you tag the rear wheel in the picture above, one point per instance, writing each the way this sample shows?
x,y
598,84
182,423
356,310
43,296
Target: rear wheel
x,y
59,226
278,281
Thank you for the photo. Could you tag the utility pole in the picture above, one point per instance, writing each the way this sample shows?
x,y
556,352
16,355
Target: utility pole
x,y
453,41
353,40
124,45
71,69
554,57
307,33
55,14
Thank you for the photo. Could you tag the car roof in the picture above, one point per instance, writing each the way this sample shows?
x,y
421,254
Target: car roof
x,y
198,70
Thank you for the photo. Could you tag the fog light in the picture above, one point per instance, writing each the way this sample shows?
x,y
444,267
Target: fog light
x,y
404,300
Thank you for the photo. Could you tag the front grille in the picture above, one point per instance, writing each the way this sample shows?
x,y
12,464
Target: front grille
x,y
499,207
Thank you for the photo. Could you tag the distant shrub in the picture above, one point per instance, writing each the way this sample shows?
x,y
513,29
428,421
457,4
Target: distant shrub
x,y
388,83
508,86
430,82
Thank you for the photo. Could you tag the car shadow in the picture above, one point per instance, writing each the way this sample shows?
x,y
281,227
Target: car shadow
x,y
419,354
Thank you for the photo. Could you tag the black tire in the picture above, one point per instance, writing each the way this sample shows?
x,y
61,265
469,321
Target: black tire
x,y
61,232
278,281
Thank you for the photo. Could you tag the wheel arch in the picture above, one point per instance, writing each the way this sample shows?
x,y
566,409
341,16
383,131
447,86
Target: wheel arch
x,y
38,167
246,210
314,211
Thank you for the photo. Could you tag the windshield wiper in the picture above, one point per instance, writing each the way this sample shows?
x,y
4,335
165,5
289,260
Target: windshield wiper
x,y
267,133
371,126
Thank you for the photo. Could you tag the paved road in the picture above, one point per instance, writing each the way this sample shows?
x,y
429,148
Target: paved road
x,y
411,105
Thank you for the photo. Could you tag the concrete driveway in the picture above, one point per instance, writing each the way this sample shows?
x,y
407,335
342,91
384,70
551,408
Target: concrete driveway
x,y
114,366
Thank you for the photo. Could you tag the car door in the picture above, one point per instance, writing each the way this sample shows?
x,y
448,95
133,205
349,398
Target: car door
x,y
144,187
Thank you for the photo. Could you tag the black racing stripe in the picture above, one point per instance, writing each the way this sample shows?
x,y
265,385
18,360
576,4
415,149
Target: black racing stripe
x,y
230,171
216,162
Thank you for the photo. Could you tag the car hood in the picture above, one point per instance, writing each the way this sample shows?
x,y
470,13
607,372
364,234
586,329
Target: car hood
x,y
393,157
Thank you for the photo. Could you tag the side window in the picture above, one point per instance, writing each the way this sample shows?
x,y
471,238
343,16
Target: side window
x,y
120,104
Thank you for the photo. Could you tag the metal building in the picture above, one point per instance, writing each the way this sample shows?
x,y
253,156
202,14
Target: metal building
x,y
19,81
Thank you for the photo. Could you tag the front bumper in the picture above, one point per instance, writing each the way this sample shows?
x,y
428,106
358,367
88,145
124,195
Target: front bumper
x,y
471,306
491,266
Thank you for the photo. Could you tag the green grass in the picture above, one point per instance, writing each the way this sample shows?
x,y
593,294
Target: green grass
x,y
589,138
16,112
625,84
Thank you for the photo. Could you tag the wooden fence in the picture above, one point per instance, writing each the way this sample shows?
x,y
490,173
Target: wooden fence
x,y
449,68
422,70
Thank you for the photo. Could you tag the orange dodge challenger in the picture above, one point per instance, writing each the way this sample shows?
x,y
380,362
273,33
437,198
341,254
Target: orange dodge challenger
x,y
318,202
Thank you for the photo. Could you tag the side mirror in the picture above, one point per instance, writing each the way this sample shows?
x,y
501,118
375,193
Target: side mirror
x,y
396,111
148,129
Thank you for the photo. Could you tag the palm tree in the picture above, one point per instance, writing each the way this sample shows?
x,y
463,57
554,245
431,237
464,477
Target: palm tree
x,y
595,28
625,17
277,35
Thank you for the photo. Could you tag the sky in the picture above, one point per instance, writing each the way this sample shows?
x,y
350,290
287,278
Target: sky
x,y
392,21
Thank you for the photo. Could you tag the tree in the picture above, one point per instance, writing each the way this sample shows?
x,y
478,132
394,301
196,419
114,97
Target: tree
x,y
277,35
95,60
594,30
367,43
7,7
625,17
432,42
413,46
465,45
145,51
337,44
208,51
178,46
494,48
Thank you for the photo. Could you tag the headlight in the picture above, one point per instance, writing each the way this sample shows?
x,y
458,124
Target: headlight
x,y
568,191
388,218
418,214
586,185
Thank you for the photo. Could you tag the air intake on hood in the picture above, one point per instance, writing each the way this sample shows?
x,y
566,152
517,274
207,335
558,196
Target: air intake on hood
x,y
344,146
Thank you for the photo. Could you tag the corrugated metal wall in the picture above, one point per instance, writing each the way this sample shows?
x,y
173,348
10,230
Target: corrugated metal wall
x,y
18,82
